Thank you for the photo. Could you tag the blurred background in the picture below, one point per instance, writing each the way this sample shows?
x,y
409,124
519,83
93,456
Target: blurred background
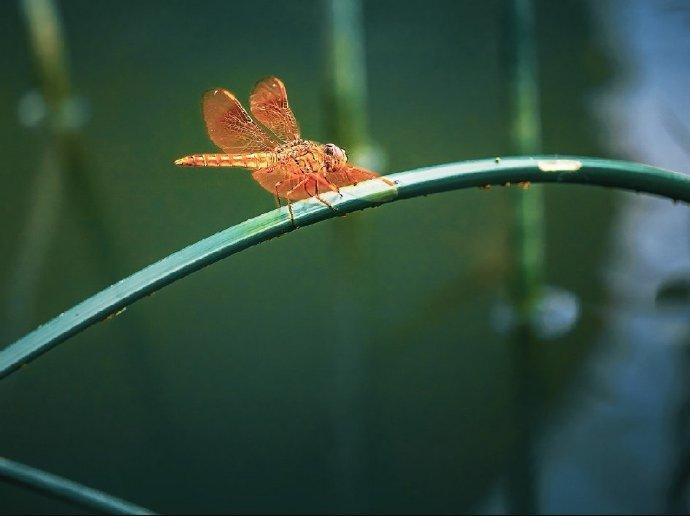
x,y
490,351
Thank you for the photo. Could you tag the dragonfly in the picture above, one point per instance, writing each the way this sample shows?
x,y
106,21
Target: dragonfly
x,y
272,147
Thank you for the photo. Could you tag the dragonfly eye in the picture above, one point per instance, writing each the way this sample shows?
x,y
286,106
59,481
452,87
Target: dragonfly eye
x,y
335,151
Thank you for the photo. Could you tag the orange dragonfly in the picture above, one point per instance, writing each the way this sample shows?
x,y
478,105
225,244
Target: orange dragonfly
x,y
281,161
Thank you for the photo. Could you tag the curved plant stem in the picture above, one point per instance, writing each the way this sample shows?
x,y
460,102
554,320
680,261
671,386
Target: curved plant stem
x,y
58,487
441,178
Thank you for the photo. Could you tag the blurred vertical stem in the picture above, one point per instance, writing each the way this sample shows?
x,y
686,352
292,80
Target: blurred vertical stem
x,y
346,125
526,140
47,48
528,250
63,171
64,175
345,90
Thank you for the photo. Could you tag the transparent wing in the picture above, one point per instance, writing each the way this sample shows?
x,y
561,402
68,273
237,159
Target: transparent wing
x,y
279,179
230,127
349,175
269,105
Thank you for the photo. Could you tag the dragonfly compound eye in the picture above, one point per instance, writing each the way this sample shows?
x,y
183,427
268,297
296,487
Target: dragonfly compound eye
x,y
335,151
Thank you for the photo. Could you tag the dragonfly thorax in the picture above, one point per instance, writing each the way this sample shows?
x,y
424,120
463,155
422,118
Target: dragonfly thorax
x,y
311,156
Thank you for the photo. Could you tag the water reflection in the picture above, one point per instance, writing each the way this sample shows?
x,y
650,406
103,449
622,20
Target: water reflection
x,y
615,452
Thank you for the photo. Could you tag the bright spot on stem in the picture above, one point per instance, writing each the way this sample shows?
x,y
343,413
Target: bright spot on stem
x,y
559,165
112,316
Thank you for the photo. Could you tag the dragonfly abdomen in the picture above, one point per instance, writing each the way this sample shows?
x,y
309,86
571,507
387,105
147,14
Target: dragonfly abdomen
x,y
251,160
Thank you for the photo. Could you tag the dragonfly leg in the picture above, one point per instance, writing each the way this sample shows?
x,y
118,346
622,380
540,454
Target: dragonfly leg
x,y
289,201
321,199
337,188
331,186
324,181
292,215
317,194
301,183
289,204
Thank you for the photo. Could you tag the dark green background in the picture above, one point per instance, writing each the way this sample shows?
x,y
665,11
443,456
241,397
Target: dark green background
x,y
347,366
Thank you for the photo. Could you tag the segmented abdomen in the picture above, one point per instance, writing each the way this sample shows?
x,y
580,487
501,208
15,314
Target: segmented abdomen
x,y
252,160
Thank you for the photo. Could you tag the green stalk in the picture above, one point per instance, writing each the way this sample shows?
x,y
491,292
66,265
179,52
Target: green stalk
x,y
65,178
63,173
47,46
67,490
526,138
346,76
425,181
346,125
528,258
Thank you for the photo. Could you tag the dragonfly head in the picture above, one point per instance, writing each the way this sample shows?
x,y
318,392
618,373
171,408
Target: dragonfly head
x,y
333,150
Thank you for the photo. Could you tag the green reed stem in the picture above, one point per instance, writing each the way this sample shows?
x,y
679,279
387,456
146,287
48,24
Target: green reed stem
x,y
346,124
67,490
526,140
46,41
65,178
48,49
345,74
528,257
415,183
63,172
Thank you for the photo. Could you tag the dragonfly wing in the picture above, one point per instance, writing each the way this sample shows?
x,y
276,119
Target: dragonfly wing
x,y
269,104
349,175
269,178
230,127
284,180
